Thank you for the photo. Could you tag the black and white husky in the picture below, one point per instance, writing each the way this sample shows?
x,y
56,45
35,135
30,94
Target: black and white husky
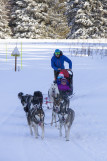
x,y
36,117
33,107
37,98
66,117
28,100
25,101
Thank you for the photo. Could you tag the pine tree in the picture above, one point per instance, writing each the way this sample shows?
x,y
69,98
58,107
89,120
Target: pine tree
x,y
5,31
87,19
39,19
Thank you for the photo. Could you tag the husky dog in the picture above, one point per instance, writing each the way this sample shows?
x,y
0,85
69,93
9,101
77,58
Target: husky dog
x,y
36,117
25,101
53,92
29,101
66,117
37,98
55,110
65,98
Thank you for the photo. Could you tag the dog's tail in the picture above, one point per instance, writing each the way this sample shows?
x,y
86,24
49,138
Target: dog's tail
x,y
20,94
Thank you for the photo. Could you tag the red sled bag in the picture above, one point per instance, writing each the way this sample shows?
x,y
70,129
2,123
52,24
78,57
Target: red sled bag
x,y
65,73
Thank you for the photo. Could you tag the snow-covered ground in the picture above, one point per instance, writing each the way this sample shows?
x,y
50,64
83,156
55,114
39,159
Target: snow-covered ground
x,y
88,137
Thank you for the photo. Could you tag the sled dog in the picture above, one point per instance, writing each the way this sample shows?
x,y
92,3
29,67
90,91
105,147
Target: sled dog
x,y
37,98
25,101
36,117
66,117
55,110
53,92
29,101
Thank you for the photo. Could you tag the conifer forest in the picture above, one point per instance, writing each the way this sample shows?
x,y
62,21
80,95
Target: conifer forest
x,y
53,19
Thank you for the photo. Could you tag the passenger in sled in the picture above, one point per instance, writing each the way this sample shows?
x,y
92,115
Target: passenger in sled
x,y
63,86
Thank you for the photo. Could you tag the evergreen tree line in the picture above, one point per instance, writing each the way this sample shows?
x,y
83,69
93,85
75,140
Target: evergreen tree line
x,y
87,19
53,19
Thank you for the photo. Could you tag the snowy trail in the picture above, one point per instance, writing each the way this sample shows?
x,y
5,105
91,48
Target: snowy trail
x,y
19,131
88,137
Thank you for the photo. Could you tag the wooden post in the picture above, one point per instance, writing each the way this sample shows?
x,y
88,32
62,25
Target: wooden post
x,y
15,53
15,63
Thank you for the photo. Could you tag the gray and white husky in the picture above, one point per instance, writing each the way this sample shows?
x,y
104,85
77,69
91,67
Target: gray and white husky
x,y
36,117
66,117
55,110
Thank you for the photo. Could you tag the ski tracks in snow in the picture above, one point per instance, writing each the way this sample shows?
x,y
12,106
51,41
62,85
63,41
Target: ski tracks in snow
x,y
12,134
6,116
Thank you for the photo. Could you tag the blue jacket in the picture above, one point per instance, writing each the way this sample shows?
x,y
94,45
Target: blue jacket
x,y
59,62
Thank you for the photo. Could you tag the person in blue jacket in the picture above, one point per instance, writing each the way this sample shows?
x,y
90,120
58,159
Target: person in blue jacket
x,y
57,62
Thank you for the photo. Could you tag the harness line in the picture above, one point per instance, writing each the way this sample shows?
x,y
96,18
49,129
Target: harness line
x,y
50,123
